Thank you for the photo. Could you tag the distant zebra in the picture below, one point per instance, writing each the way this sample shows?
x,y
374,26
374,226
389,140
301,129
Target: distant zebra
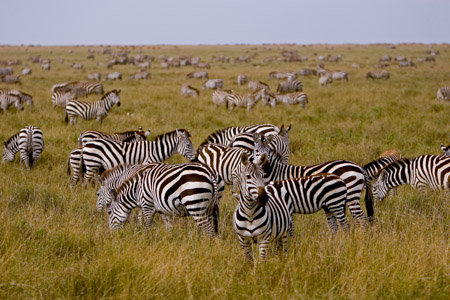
x,y
114,76
102,154
24,97
340,75
126,136
10,79
60,99
248,100
242,79
421,172
199,74
29,141
254,85
181,190
325,80
443,93
307,72
94,110
291,75
94,76
385,58
378,74
213,84
79,88
351,173
219,97
293,99
187,90
6,100
290,86
223,136
140,75
258,217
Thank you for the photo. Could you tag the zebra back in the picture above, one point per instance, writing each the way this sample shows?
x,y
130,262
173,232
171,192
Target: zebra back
x,y
126,136
31,145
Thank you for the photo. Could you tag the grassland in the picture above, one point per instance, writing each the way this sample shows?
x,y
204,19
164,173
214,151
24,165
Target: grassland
x,y
53,245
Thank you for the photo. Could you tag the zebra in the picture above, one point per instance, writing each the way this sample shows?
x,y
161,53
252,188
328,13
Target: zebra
x,y
140,75
6,100
114,76
242,79
104,154
26,71
24,97
293,98
340,75
74,165
385,58
352,174
258,217
378,74
443,93
79,88
29,141
125,136
254,85
224,136
278,142
219,97
187,90
290,86
10,79
88,111
307,72
190,189
248,100
199,74
423,171
60,99
213,84
445,150
291,75
94,76
325,80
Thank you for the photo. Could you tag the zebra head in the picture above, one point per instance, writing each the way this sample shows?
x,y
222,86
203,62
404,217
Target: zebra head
x,y
184,144
251,178
118,213
445,150
105,196
261,145
8,153
380,189
113,97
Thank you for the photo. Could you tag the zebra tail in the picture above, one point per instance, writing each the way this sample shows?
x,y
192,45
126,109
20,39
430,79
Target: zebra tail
x,y
67,118
368,198
216,178
68,166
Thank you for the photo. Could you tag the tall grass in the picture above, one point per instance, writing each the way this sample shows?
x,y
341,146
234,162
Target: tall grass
x,y
54,246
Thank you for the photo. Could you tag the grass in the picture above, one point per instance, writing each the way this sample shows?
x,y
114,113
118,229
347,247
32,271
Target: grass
x,y
53,245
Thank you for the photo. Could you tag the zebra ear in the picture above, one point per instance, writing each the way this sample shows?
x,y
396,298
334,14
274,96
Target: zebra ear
x,y
113,193
244,158
147,133
382,175
256,137
288,128
269,139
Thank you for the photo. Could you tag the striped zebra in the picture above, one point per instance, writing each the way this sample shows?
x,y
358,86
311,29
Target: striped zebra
x,y
219,97
278,142
199,74
187,91
378,74
242,79
445,150
79,88
325,80
181,190
340,75
290,86
247,100
291,75
352,174
126,136
74,167
6,100
102,154
224,136
29,141
443,93
259,218
89,111
60,99
24,97
293,98
254,85
421,172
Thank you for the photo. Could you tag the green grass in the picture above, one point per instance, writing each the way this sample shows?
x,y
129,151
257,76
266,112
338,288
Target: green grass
x,y
54,246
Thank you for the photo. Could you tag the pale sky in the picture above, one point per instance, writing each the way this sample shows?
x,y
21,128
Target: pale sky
x,y
68,22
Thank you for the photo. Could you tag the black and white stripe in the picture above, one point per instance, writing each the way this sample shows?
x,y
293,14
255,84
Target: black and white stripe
x,y
60,99
126,136
248,100
259,218
103,154
24,97
425,171
290,86
378,74
95,110
182,190
293,99
74,166
29,142
6,100
219,97
339,75
79,88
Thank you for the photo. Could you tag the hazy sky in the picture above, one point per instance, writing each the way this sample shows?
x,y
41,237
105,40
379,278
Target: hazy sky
x,y
61,22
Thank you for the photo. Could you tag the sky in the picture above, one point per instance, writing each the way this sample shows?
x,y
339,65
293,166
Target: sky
x,y
133,22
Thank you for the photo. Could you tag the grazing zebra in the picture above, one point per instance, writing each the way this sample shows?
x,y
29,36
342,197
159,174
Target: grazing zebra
x,y
242,79
10,79
378,74
443,93
114,76
278,142
307,72
94,76
181,190
259,217
219,97
385,58
79,88
407,64
89,111
290,75
248,100
102,154
423,171
6,100
293,99
140,75
126,136
60,99
254,85
213,84
199,74
224,136
29,141
290,86
325,80
351,173
187,90
374,167
26,71
340,75
24,97
77,66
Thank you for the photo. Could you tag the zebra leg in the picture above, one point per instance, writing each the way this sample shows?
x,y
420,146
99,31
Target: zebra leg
x,y
246,245
357,213
167,221
281,244
263,245
204,224
148,210
339,214
24,157
331,219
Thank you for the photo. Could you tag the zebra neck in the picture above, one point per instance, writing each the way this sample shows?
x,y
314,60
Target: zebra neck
x,y
248,207
127,199
162,148
107,103
13,144
398,173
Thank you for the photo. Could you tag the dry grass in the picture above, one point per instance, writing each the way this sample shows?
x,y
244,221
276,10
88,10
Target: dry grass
x,y
53,246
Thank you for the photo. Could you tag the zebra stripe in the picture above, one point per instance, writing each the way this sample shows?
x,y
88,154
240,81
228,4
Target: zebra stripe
x,y
126,136
259,218
74,165
6,100
29,141
339,75
290,86
182,190
248,100
79,88
374,167
378,74
61,99
89,111
293,99
421,172
443,93
24,97
102,154
219,97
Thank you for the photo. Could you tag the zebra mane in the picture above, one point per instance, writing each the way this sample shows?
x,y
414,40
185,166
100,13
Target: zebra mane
x,y
161,136
211,138
11,138
136,175
403,160
108,173
110,92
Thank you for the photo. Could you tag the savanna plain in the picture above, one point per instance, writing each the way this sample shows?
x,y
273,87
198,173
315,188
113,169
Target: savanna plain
x,y
53,245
